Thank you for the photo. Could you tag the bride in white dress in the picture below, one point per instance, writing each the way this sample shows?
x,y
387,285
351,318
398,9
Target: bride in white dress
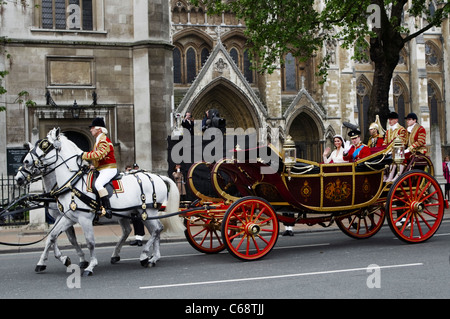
x,y
337,154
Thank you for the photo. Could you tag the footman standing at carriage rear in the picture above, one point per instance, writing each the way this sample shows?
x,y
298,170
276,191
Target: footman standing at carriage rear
x,y
394,130
102,157
417,136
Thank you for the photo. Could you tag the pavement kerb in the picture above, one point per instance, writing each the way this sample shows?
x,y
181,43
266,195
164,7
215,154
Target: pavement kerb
x,y
108,235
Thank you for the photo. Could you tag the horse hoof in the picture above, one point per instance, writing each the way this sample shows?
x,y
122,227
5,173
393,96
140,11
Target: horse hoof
x,y
83,264
40,268
87,273
67,263
144,263
115,260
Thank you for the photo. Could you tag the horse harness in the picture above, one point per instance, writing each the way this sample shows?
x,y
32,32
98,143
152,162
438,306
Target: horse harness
x,y
94,204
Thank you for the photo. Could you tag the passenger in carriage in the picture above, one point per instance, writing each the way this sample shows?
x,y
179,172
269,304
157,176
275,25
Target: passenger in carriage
x,y
337,155
376,134
394,130
358,150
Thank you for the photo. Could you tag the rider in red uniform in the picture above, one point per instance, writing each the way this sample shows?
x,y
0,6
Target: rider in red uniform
x,y
102,157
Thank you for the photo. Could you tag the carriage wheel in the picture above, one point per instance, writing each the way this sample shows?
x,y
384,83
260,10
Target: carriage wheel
x,y
250,228
415,207
203,232
364,224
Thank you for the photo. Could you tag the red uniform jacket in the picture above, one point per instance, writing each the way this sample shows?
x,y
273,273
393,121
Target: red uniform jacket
x,y
102,156
357,153
417,139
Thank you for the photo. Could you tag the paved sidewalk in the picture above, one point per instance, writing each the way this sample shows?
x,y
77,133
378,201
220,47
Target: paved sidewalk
x,y
105,235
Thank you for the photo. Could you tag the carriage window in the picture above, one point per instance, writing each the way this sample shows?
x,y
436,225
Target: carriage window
x,y
191,65
67,14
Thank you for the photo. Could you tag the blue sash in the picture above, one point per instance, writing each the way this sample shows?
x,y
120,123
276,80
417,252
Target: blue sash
x,y
356,152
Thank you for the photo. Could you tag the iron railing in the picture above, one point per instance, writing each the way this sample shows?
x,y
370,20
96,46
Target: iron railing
x,y
9,190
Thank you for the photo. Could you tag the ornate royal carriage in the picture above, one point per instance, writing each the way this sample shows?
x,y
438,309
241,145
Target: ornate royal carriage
x,y
244,212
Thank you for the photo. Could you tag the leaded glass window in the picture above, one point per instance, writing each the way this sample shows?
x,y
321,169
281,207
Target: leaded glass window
x,y
67,14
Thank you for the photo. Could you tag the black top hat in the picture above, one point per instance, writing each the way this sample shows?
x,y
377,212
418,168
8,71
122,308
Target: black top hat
x,y
354,133
411,116
98,121
393,115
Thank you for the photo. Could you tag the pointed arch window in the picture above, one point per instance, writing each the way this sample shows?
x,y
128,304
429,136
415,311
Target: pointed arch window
x,y
235,55
401,103
177,66
290,74
204,55
248,72
191,65
362,103
437,111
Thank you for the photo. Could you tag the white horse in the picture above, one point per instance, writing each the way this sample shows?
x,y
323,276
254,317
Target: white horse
x,y
24,176
64,155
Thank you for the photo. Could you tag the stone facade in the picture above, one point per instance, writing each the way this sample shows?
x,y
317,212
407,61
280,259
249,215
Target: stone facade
x,y
139,63
116,63
291,98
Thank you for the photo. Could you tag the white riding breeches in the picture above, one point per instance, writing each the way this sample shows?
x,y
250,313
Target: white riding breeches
x,y
103,178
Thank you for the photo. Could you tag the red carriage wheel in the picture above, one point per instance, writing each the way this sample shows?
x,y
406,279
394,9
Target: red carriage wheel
x,y
415,206
364,224
203,232
250,228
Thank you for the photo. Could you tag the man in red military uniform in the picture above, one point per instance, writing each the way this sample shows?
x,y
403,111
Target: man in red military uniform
x,y
417,136
358,150
102,157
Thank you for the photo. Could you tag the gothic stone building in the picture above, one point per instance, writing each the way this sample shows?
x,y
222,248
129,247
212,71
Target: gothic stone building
x,y
139,63
80,59
212,70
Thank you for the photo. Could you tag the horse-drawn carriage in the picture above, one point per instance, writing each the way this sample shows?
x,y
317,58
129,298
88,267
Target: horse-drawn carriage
x,y
250,198
244,215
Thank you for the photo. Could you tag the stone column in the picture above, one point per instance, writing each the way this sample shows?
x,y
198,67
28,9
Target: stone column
x,y
153,82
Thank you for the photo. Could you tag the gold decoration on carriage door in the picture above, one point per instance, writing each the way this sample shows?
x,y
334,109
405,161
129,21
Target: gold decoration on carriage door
x,y
306,191
366,187
337,191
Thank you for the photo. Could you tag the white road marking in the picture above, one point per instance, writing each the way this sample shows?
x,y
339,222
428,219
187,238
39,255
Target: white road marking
x,y
224,252
275,277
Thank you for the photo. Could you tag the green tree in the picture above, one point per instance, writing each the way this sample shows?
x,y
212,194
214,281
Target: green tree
x,y
276,27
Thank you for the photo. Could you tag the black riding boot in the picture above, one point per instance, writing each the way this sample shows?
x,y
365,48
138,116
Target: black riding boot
x,y
106,206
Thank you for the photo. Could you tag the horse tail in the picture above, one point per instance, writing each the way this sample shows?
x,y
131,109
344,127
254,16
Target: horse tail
x,y
172,224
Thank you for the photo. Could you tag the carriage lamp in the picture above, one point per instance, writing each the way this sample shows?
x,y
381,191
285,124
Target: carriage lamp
x,y
399,151
289,154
